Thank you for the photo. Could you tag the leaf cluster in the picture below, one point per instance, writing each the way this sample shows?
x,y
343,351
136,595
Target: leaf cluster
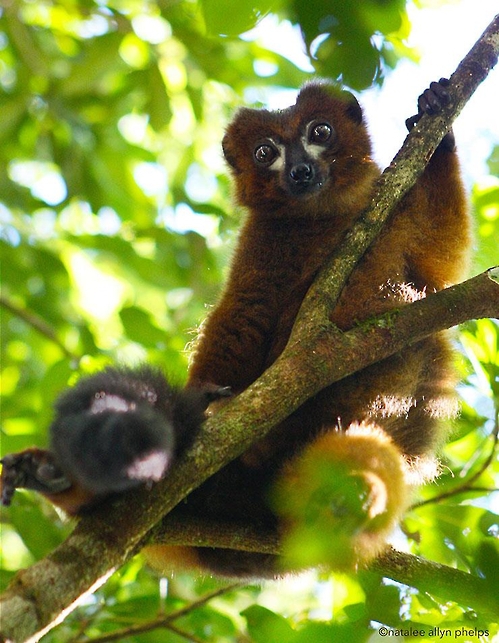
x,y
116,223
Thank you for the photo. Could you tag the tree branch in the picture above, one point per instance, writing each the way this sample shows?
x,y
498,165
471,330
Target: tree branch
x,y
39,324
103,541
467,485
401,175
439,580
165,621
41,596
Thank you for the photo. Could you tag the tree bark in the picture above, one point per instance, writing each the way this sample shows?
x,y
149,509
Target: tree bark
x,y
41,596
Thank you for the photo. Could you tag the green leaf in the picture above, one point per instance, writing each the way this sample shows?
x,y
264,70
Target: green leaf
x,y
221,19
329,632
158,102
39,532
140,328
95,67
487,557
266,626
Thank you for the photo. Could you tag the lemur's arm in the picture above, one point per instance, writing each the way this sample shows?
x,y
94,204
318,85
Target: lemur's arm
x,y
112,431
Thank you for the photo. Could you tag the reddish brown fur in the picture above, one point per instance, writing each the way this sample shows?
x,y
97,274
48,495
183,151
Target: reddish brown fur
x,y
381,425
283,243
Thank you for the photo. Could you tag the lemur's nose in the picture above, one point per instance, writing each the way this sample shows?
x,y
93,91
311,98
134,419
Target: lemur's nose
x,y
302,173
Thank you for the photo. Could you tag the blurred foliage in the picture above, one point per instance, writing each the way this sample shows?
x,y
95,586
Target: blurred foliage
x,y
116,228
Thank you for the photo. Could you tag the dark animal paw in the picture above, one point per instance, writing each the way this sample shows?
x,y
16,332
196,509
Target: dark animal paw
x,y
431,102
31,469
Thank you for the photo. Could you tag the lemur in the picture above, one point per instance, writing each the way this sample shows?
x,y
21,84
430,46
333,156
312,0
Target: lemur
x,y
346,459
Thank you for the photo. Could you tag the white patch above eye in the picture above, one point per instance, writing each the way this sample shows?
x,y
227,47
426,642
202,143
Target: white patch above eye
x,y
314,150
103,402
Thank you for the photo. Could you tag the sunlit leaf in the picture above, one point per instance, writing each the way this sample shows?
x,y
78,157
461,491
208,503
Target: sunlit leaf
x,y
139,327
266,626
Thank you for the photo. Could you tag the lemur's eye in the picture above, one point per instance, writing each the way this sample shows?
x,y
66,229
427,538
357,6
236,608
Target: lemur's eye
x,y
320,132
265,153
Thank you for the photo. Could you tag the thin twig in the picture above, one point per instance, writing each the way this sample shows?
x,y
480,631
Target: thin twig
x,y
185,635
39,324
165,621
465,486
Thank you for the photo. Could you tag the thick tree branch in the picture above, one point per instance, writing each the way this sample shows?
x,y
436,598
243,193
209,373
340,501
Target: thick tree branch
x,y
439,580
42,595
401,175
105,540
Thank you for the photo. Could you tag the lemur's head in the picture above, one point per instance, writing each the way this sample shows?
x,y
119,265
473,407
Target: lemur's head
x,y
312,156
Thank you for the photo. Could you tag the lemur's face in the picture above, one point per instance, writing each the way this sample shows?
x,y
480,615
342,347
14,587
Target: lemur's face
x,y
298,162
305,156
